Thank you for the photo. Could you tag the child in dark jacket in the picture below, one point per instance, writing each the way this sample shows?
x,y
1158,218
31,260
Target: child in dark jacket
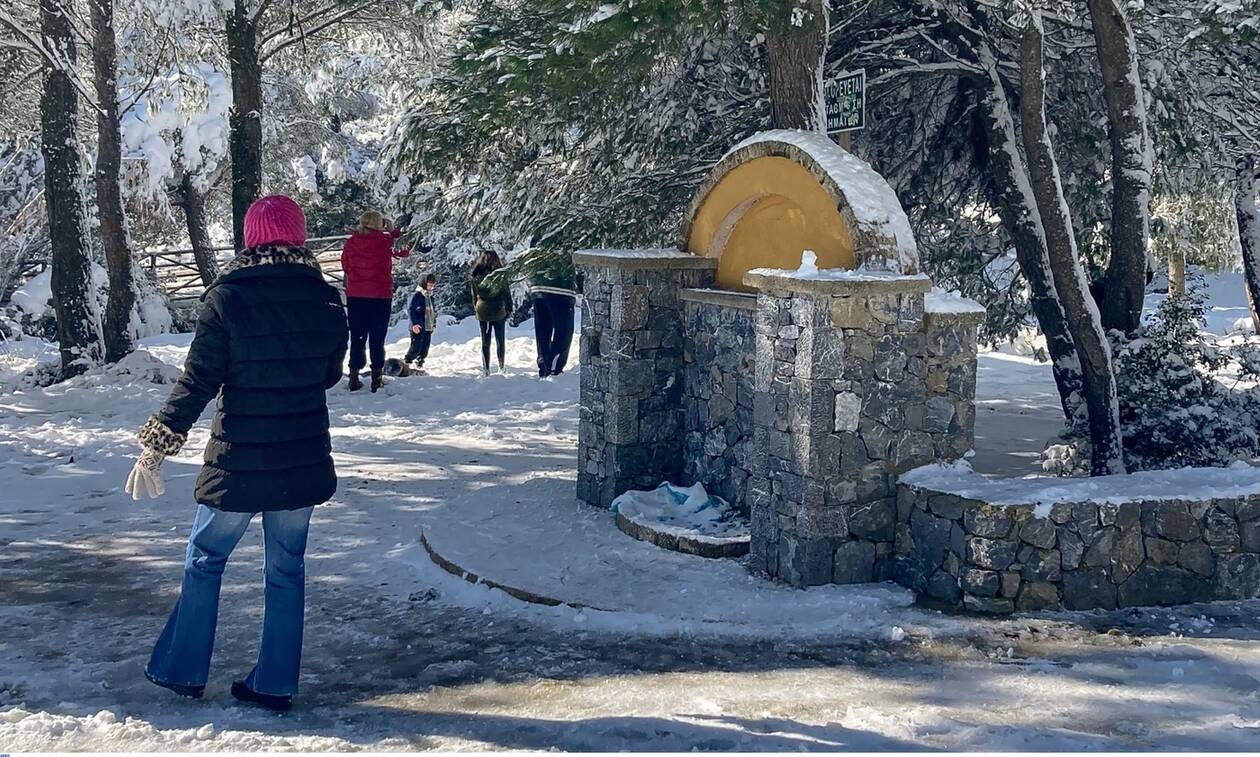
x,y
423,321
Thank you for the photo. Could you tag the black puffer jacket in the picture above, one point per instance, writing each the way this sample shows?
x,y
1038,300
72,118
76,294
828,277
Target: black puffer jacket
x,y
271,339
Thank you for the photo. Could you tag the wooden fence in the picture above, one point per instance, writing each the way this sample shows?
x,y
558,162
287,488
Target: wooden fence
x,y
175,270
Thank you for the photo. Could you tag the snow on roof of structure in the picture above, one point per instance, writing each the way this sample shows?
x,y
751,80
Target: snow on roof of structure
x,y
872,200
656,252
1237,480
839,274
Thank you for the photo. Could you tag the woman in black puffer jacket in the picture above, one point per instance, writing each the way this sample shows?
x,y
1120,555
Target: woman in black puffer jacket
x,y
271,339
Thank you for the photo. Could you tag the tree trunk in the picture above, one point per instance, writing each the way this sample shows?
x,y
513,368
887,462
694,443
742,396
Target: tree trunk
x,y
1177,272
1125,280
193,203
122,292
1247,206
796,50
1017,208
245,118
74,298
1092,348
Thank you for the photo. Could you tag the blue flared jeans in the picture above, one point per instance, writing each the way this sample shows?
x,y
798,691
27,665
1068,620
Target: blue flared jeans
x,y
182,653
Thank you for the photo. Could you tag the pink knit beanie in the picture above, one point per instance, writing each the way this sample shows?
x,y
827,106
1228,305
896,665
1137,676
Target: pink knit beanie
x,y
274,219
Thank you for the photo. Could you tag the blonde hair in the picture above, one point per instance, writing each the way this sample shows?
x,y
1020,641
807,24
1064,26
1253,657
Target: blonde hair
x,y
372,220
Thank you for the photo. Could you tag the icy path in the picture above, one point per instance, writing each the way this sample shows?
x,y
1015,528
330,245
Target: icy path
x,y
534,537
399,655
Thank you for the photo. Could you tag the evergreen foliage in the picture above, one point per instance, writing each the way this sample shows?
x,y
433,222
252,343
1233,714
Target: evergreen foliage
x,y
545,266
559,124
1185,398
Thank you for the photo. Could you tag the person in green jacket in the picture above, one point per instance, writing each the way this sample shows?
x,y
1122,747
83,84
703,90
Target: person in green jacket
x,y
492,304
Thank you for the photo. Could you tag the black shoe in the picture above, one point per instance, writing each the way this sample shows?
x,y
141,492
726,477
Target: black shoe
x,y
184,690
378,380
355,384
272,702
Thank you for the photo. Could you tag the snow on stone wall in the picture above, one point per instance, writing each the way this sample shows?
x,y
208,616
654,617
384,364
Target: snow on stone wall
x,y
1000,546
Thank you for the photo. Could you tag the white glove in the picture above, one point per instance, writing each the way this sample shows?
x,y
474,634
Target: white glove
x,y
146,476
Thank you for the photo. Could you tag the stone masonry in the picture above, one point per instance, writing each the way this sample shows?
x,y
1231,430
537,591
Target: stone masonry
x,y
1080,555
841,407
800,404
719,363
631,419
950,411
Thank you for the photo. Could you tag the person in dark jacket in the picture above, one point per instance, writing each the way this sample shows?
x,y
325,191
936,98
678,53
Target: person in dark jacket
x,y
270,340
368,262
423,322
553,291
492,305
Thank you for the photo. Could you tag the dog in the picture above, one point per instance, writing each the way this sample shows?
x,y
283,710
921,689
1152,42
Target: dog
x,y
397,368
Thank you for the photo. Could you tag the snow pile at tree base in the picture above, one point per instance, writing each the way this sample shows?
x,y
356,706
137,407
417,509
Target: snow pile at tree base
x,y
683,519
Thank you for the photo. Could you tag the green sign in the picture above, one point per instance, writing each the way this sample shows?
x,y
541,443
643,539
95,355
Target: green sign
x,y
845,97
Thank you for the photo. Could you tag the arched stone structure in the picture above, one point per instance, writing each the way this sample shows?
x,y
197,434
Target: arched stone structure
x,y
799,399
781,192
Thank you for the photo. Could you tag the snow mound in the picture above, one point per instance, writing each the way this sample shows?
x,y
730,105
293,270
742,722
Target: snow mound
x,y
941,301
814,273
1238,480
21,356
689,512
105,731
150,315
139,367
809,264
33,296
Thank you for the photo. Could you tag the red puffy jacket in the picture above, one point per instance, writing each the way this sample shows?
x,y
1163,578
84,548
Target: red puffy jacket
x,y
368,261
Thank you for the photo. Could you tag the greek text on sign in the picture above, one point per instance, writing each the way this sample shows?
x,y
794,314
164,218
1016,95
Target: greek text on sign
x,y
845,98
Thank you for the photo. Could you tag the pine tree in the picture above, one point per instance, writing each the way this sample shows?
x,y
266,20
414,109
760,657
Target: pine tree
x,y
1098,380
74,297
246,136
109,201
588,124
1174,407
1131,166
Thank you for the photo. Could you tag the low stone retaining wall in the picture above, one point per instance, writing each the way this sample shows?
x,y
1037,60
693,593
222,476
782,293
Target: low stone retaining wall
x,y
1003,558
690,545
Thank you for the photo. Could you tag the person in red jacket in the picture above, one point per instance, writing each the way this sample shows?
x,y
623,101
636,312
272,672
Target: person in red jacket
x,y
368,262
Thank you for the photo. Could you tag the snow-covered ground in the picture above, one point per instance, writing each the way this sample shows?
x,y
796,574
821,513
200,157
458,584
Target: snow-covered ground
x,y
400,655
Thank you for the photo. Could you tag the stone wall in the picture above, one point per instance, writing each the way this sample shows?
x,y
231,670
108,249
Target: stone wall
x,y
717,399
950,410
841,407
801,404
1080,556
630,433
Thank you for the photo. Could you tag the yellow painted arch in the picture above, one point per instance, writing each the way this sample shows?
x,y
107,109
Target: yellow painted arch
x,y
763,214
